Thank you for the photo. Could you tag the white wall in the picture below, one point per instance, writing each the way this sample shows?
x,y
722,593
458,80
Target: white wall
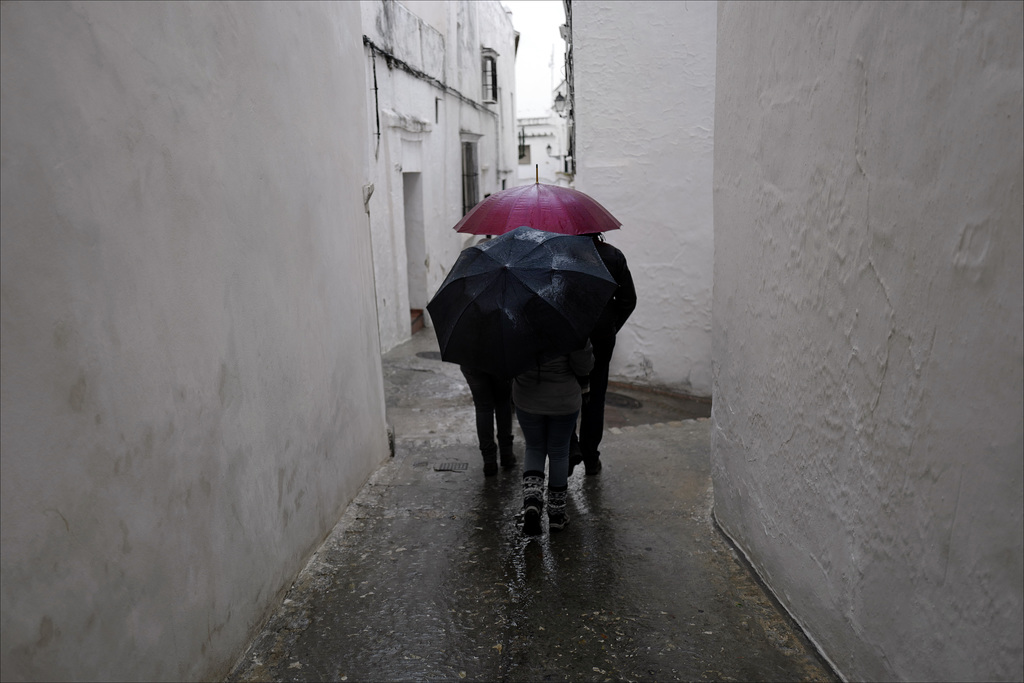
x,y
541,133
645,98
191,380
867,436
443,41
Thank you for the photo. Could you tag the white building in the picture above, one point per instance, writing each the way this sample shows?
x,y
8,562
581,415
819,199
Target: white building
x,y
543,158
642,94
191,380
543,145
867,430
441,78
861,204
215,217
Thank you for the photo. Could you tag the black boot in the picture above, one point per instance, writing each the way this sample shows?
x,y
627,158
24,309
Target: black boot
x,y
558,519
575,453
490,461
533,502
507,455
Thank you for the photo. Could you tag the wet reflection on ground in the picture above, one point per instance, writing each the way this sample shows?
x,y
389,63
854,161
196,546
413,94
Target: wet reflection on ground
x,y
428,576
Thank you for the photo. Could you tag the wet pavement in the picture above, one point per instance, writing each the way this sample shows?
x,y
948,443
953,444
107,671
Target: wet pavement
x,y
427,576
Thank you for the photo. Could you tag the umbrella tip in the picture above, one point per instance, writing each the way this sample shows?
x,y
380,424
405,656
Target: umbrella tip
x,y
537,169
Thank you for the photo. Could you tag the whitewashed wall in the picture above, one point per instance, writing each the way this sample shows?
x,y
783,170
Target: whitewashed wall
x,y
867,435
191,379
645,97
542,132
418,134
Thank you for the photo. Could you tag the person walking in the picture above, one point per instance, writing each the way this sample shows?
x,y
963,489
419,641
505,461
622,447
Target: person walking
x,y
584,448
548,400
492,401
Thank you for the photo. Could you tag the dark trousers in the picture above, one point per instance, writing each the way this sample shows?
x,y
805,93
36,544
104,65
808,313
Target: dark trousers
x,y
592,413
492,399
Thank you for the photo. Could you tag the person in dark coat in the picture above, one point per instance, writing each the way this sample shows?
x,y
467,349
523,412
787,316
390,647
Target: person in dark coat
x,y
492,401
584,448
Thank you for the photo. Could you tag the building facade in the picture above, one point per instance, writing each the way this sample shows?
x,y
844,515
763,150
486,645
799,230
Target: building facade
x,y
543,156
441,78
861,205
867,432
191,379
215,217
544,145
643,147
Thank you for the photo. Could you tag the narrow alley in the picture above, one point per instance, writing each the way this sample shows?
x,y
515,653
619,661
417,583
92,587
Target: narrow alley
x,y
227,456
427,576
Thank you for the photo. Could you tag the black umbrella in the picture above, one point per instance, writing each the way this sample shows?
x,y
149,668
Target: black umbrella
x,y
509,301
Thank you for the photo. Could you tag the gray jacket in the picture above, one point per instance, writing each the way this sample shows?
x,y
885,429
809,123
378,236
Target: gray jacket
x,y
553,388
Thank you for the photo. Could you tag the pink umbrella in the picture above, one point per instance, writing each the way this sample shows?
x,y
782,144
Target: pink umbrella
x,y
544,207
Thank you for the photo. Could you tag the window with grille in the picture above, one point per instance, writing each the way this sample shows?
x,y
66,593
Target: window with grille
x,y
490,72
470,177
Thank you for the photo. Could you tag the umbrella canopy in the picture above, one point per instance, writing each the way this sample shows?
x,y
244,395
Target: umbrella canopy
x,y
545,207
511,300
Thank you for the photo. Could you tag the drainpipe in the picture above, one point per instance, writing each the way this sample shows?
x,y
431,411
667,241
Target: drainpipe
x,y
566,32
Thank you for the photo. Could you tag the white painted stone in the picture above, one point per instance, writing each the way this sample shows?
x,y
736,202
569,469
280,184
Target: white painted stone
x,y
444,41
867,424
645,96
192,388
546,138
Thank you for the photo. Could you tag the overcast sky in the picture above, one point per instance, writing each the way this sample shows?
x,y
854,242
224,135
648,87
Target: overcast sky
x,y
537,22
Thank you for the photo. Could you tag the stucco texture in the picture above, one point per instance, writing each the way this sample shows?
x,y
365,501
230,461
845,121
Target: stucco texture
x,y
191,381
867,425
644,109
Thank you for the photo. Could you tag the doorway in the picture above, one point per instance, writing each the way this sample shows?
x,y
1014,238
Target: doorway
x,y
415,248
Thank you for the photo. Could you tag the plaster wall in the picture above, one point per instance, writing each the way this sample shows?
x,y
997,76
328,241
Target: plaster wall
x,y
191,380
541,133
422,126
867,426
645,107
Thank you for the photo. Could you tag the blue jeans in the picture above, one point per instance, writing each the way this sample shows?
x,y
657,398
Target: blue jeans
x,y
547,436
